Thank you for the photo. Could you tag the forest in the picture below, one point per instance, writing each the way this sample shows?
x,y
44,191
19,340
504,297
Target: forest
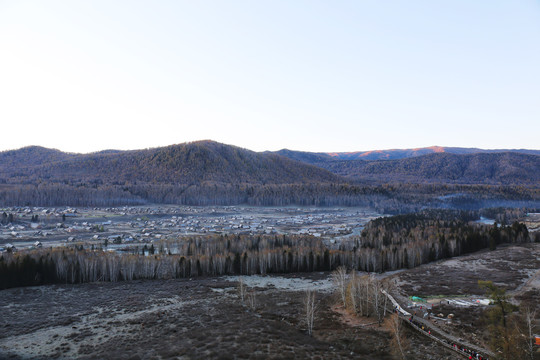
x,y
388,243
210,173
186,164
503,168
389,198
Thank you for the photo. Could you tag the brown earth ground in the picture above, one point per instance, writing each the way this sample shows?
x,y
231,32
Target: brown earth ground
x,y
515,268
184,319
205,318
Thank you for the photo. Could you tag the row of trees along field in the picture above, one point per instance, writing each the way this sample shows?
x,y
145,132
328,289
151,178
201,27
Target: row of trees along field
x,y
386,244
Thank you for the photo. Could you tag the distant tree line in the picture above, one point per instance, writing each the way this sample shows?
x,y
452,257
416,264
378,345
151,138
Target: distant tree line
x,y
389,198
506,216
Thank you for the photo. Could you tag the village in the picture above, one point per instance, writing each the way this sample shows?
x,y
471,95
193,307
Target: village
x,y
114,228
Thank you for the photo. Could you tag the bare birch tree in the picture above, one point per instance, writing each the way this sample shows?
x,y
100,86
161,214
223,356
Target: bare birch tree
x,y
399,341
529,317
353,292
389,287
310,309
252,300
366,295
339,277
241,289
378,300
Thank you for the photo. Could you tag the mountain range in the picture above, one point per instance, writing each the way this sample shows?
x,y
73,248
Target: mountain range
x,y
441,165
393,154
212,162
189,163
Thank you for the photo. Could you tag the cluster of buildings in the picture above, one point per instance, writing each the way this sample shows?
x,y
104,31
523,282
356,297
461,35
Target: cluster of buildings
x,y
35,227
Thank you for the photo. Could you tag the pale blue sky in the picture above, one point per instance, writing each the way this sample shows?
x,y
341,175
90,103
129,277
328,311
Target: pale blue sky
x,y
307,75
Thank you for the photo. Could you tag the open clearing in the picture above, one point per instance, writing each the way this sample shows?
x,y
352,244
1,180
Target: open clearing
x,y
204,318
185,319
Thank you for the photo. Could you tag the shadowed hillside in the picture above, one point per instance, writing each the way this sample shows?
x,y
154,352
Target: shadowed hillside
x,y
28,157
207,172
189,163
497,168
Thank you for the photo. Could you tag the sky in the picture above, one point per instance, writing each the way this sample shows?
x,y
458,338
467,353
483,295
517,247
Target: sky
x,y
83,76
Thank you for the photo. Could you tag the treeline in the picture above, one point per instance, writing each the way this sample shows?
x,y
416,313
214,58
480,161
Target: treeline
x,y
406,241
506,216
386,244
197,256
389,198
91,194
46,194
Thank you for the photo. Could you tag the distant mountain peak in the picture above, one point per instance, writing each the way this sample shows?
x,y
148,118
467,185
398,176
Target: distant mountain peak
x,y
435,148
394,154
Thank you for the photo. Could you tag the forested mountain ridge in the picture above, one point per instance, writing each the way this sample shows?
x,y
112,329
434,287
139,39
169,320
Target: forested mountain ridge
x,y
30,156
497,168
395,154
212,162
392,154
189,163
206,173
307,157
506,168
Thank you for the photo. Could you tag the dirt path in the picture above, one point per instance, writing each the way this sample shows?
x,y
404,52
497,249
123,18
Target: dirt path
x,y
532,282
